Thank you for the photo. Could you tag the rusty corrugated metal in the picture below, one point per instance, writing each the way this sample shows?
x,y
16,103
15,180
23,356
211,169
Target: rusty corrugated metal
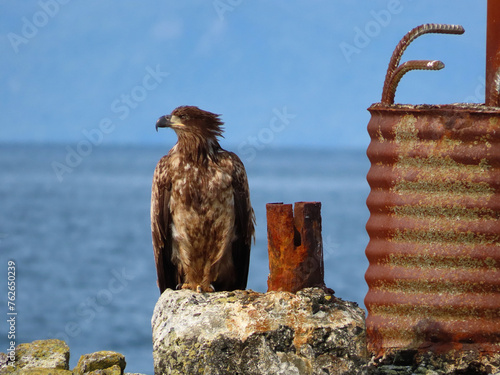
x,y
434,250
295,246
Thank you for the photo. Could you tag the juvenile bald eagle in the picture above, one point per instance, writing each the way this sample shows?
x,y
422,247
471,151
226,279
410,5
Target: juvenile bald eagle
x,y
201,218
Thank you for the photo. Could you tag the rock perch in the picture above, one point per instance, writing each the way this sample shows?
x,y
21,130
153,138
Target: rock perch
x,y
244,332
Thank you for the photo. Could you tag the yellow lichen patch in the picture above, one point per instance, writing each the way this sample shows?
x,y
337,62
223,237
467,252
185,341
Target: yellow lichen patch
x,y
436,286
380,136
406,137
405,130
484,139
491,263
433,213
443,167
444,236
443,313
451,189
447,144
494,122
435,173
441,262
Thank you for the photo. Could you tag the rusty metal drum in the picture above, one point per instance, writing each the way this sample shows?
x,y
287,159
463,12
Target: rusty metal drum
x,y
434,249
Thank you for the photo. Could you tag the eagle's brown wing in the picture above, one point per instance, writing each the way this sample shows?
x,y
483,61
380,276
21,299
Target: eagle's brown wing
x,y
161,227
244,222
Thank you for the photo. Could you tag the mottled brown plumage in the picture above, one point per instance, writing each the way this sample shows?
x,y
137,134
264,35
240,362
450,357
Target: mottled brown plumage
x,y
202,221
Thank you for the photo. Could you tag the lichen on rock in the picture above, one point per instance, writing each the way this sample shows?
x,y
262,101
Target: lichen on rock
x,y
51,357
42,371
100,363
245,332
52,354
422,362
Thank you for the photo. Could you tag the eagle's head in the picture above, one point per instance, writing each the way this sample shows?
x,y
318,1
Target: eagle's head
x,y
190,120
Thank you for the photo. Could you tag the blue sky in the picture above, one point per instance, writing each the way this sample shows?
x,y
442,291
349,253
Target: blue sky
x,y
281,73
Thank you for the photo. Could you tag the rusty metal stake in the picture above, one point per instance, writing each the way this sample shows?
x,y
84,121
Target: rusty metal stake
x,y
295,247
493,54
395,71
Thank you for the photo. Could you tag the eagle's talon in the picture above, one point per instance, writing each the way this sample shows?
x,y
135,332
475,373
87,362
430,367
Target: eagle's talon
x,y
209,289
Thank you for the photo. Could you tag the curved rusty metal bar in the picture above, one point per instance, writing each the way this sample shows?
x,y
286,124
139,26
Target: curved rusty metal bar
x,y
390,84
404,68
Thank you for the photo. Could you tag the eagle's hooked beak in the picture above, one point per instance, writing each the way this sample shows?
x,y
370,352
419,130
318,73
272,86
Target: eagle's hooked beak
x,y
163,122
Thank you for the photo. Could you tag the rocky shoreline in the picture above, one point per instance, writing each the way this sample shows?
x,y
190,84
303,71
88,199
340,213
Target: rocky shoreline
x,y
51,357
310,332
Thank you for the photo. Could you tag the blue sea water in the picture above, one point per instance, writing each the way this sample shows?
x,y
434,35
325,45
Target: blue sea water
x,y
80,237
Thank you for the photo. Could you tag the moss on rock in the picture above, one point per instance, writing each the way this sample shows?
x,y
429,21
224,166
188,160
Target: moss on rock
x,y
244,332
100,361
48,354
51,357
43,371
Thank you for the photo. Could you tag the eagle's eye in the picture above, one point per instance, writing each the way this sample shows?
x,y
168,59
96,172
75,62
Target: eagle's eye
x,y
184,117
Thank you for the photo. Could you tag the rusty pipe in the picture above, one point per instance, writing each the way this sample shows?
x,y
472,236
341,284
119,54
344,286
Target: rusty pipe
x,y
295,246
493,54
